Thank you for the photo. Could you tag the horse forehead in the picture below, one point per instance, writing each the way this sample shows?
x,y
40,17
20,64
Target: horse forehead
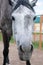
x,y
22,11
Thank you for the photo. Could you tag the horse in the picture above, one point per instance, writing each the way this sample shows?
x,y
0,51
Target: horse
x,y
22,29
7,28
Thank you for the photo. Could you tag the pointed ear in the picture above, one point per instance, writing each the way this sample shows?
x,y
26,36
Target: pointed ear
x,y
33,3
10,2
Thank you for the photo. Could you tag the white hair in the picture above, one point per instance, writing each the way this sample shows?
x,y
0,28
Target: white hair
x,y
22,28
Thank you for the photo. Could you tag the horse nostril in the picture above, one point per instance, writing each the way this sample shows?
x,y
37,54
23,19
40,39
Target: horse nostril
x,y
31,47
13,18
21,49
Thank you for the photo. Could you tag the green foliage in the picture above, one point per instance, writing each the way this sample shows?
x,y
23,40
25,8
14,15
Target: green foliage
x,y
35,44
0,37
42,44
12,40
38,33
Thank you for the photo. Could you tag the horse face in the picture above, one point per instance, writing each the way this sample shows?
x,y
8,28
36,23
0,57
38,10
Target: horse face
x,y
22,26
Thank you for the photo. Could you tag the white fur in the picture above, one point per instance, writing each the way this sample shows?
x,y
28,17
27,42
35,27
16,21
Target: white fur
x,y
22,28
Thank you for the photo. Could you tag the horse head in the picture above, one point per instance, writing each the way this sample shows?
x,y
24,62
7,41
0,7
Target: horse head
x,y
22,27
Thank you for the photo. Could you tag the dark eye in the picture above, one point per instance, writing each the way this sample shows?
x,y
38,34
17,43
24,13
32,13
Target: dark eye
x,y
34,18
13,18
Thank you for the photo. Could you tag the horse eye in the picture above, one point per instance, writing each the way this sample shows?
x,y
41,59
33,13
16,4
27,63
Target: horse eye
x,y
34,18
13,18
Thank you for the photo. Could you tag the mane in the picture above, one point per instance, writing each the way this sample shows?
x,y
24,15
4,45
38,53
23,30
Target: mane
x,y
23,10
21,7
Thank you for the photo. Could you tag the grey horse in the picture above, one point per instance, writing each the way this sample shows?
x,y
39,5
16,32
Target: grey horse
x,y
6,7
5,27
23,17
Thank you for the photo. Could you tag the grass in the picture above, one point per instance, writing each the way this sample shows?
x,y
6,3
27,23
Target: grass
x,y
38,33
12,40
36,43
0,37
42,44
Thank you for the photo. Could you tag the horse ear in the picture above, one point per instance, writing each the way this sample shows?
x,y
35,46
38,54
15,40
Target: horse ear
x,y
10,2
33,3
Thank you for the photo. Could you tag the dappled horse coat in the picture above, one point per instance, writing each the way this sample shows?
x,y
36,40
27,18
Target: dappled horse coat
x,y
5,16
6,27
